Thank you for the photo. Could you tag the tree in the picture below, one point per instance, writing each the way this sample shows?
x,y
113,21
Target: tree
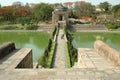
x,y
116,10
7,13
42,12
21,11
17,4
84,9
105,6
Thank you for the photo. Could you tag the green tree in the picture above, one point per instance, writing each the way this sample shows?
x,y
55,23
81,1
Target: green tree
x,y
42,12
105,6
84,9
23,20
115,9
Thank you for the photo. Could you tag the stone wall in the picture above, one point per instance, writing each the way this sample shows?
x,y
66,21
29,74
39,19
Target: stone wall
x,y
26,61
46,27
6,48
107,52
18,58
80,27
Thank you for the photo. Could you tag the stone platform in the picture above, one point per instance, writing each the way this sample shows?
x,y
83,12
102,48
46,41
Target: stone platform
x,y
89,58
94,67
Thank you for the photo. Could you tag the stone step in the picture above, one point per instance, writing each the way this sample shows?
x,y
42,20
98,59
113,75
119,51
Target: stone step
x,y
67,74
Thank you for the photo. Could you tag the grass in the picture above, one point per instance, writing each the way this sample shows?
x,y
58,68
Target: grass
x,y
46,61
18,27
51,53
67,57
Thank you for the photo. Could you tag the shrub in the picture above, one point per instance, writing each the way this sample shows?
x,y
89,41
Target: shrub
x,y
112,25
1,19
72,51
78,22
54,32
8,27
32,27
46,59
23,20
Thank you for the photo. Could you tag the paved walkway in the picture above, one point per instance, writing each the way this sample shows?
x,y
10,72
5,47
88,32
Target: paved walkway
x,y
59,61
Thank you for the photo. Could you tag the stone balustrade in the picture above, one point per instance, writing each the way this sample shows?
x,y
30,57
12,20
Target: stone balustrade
x,y
6,48
107,52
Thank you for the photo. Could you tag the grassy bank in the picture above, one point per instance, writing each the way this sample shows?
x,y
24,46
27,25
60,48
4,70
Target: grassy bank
x,y
46,60
71,50
18,27
68,65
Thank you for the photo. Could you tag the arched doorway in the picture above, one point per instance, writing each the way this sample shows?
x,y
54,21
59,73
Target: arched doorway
x,y
60,17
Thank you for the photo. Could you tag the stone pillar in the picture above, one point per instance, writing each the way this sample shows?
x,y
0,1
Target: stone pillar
x,y
53,18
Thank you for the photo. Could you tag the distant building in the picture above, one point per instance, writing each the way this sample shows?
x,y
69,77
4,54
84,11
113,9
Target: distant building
x,y
32,5
59,14
98,9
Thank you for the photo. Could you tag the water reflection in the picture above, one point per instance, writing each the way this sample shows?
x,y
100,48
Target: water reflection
x,y
86,40
35,40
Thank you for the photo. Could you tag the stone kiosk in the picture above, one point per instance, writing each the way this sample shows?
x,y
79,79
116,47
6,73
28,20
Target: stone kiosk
x,y
59,15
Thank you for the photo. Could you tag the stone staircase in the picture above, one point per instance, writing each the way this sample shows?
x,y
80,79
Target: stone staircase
x,y
61,74
46,27
80,27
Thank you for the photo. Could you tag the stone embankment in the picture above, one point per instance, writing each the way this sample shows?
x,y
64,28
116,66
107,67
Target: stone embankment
x,y
107,52
46,27
86,27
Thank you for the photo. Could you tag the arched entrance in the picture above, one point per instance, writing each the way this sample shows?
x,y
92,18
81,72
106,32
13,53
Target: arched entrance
x,y
60,17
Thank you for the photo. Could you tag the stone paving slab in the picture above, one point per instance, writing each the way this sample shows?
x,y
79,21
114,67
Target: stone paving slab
x,y
89,58
61,74
60,61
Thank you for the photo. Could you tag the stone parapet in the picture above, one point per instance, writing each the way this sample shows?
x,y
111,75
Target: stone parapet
x,y
107,52
19,58
11,58
25,59
6,48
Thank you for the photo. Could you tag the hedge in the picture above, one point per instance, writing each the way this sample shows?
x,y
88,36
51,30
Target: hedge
x,y
72,51
46,59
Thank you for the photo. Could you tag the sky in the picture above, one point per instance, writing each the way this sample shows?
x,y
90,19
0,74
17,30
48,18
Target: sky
x,y
95,2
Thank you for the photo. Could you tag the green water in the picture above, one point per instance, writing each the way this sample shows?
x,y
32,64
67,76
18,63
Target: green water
x,y
35,40
87,39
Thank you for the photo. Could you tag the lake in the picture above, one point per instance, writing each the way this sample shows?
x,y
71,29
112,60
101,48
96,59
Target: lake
x,y
87,39
38,41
